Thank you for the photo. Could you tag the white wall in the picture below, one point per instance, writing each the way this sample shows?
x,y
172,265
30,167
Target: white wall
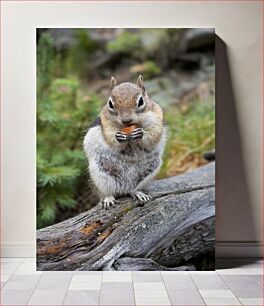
x,y
239,132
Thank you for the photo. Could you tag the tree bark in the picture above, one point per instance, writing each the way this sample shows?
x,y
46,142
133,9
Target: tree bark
x,y
168,233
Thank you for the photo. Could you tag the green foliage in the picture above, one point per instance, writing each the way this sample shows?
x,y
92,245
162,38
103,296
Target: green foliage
x,y
148,68
78,55
126,42
151,69
44,65
191,132
63,114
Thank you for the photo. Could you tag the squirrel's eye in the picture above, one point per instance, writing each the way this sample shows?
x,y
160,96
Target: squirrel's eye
x,y
110,103
140,102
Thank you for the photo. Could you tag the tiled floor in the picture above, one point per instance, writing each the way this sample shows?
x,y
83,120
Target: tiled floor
x,y
239,282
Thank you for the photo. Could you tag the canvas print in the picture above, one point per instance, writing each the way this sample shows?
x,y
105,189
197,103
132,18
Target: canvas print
x,y
125,149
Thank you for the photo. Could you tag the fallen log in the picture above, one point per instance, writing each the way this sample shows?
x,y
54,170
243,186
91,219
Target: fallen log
x,y
169,233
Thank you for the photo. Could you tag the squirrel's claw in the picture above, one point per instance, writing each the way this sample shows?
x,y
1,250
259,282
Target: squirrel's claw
x,y
140,197
121,136
136,134
108,202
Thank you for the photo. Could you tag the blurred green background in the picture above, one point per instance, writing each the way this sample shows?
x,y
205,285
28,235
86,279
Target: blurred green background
x,y
74,67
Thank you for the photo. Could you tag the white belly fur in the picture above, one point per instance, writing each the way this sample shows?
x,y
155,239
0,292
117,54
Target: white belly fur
x,y
114,174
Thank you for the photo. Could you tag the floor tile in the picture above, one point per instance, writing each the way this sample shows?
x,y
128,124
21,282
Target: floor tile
x,y
87,272
85,286
53,285
20,285
203,272
47,297
251,301
232,271
150,302
258,279
254,271
28,272
81,297
8,270
147,276
117,297
217,294
5,277
54,281
149,286
30,260
222,301
117,277
248,293
27,278
28,265
175,273
117,286
12,259
151,294
15,297
240,281
185,297
178,282
209,282
27,268
11,265
87,278
57,273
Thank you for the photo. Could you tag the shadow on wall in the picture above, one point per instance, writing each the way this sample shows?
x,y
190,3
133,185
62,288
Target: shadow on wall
x,y
234,215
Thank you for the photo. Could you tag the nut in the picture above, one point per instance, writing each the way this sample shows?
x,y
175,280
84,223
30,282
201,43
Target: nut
x,y
129,129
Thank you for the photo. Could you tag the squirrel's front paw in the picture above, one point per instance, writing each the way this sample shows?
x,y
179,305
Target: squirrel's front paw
x,y
136,134
120,136
140,197
108,202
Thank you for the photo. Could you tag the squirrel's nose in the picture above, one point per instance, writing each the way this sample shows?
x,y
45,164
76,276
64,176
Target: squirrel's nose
x,y
126,120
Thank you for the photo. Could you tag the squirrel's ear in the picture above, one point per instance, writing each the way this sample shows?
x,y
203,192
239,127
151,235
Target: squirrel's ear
x,y
112,83
140,83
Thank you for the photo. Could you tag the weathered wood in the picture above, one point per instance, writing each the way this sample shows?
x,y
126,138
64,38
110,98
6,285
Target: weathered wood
x,y
168,233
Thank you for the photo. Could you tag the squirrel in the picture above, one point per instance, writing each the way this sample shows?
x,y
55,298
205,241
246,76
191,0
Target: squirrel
x,y
119,163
